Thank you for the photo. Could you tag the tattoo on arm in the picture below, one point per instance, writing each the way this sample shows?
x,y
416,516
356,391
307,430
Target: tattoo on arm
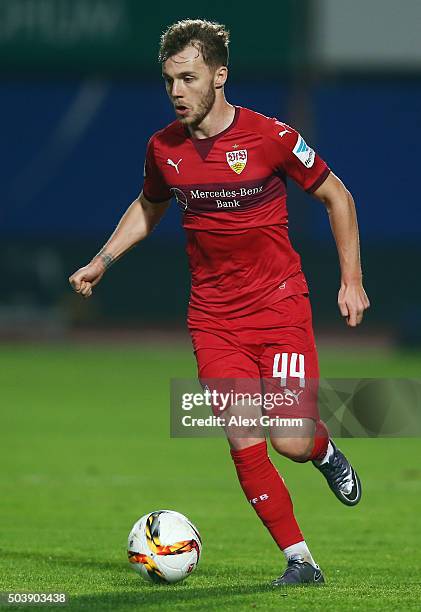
x,y
106,259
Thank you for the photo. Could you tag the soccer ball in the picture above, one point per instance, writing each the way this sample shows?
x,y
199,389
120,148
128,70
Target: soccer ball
x,y
164,546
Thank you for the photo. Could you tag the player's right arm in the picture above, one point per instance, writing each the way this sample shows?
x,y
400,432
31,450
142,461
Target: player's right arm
x,y
135,225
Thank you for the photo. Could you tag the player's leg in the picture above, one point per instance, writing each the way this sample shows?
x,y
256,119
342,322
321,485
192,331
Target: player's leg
x,y
306,437
263,486
292,366
261,482
341,477
311,442
265,489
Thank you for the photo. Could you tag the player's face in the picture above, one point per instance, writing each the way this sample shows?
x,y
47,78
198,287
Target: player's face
x,y
190,85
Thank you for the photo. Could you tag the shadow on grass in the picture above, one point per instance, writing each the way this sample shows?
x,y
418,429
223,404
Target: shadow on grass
x,y
166,596
128,591
64,560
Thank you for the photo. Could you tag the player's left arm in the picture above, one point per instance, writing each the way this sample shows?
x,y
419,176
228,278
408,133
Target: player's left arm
x,y
352,298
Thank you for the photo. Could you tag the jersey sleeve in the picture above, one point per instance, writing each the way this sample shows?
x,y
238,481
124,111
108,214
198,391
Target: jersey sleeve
x,y
155,188
289,153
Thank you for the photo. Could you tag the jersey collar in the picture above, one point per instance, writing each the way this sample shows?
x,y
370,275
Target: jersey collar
x,y
204,145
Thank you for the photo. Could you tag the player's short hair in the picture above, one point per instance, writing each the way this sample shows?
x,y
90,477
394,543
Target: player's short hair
x,y
209,37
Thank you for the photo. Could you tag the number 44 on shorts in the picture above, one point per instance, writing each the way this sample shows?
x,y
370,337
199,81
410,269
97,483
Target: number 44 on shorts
x,y
288,367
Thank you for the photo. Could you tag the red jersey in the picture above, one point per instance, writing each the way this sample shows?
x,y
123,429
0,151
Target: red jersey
x,y
231,189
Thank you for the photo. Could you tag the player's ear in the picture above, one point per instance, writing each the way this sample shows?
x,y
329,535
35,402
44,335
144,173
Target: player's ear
x,y
220,77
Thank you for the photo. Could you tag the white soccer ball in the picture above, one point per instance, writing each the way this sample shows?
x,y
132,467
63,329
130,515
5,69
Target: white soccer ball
x,y
164,546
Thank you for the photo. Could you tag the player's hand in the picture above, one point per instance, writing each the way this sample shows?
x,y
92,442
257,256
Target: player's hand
x,y
352,302
85,279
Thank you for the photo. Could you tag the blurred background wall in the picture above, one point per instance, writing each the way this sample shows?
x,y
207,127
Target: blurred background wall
x,y
81,92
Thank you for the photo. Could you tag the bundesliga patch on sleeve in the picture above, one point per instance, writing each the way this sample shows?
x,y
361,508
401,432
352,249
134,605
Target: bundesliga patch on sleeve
x,y
304,153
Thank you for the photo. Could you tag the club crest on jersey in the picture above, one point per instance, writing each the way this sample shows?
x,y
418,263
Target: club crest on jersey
x,y
237,160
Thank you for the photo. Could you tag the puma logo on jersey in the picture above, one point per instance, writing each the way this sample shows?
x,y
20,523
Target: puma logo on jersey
x,y
296,395
174,165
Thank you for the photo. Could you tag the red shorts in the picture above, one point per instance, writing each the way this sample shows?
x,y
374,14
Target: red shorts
x,y
269,351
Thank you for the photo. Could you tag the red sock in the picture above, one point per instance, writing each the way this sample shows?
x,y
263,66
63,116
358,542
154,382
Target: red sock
x,y
321,440
266,491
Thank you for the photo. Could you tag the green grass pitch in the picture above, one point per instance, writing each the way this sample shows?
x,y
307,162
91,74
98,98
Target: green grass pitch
x,y
85,451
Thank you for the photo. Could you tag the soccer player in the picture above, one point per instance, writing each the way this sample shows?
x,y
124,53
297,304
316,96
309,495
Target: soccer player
x,y
249,313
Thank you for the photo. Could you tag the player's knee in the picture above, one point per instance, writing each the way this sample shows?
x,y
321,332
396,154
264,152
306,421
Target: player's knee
x,y
297,449
242,443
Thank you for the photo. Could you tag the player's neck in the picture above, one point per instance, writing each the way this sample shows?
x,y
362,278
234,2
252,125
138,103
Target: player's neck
x,y
216,121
